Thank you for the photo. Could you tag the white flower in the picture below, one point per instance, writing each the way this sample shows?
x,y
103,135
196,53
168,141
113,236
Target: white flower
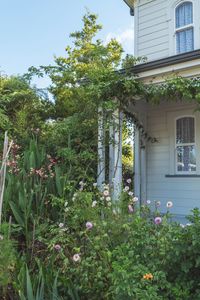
x,y
66,202
109,203
102,198
95,184
169,204
148,202
130,194
1,237
94,203
61,225
76,257
66,209
106,187
182,225
128,180
106,193
157,203
135,199
108,199
126,189
81,183
188,224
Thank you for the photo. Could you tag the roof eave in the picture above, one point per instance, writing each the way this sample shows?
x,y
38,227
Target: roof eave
x,y
130,5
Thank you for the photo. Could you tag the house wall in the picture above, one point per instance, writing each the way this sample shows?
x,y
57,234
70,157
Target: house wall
x,y
184,192
152,39
155,28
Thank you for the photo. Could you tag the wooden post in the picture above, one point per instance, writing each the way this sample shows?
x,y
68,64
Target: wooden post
x,y
6,150
101,150
143,164
117,176
137,164
111,152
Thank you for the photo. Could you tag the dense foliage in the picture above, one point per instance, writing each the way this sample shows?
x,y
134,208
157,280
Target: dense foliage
x,y
61,240
60,237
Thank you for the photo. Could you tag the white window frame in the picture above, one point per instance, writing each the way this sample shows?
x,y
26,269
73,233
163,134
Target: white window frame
x,y
183,28
172,117
171,19
184,144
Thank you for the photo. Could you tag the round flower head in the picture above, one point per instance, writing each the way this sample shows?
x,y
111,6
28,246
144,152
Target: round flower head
x,y
1,237
157,203
106,193
108,199
169,204
57,247
158,220
94,203
135,199
89,225
128,180
95,185
126,189
130,209
61,225
76,257
130,194
148,202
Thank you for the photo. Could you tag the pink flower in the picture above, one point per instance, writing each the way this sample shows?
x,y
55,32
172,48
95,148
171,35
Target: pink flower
x,y
106,193
57,247
76,257
158,220
89,225
130,209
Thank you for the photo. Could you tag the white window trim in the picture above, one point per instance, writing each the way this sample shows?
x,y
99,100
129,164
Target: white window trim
x,y
172,24
183,28
184,144
171,120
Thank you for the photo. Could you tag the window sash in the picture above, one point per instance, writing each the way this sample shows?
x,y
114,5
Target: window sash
x,y
185,146
184,29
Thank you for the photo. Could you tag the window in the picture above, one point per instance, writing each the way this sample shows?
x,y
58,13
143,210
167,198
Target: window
x,y
185,145
184,27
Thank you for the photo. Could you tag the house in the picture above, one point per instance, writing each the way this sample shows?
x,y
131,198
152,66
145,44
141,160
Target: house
x,y
167,33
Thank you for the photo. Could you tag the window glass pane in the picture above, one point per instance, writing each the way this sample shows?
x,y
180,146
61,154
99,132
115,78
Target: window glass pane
x,y
184,14
185,132
186,158
185,40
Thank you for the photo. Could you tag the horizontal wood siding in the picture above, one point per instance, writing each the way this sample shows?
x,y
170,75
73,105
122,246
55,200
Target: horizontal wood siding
x,y
152,29
184,192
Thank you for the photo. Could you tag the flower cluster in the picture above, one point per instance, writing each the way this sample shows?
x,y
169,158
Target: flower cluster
x,y
132,199
45,171
148,276
13,163
106,195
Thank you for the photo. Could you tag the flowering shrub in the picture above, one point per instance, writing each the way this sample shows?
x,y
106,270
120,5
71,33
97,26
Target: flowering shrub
x,y
74,239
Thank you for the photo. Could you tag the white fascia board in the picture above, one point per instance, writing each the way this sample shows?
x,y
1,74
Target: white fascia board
x,y
184,69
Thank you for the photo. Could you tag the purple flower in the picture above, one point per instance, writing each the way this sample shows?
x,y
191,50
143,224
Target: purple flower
x,y
89,225
57,247
158,220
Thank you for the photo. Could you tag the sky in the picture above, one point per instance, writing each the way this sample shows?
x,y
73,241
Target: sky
x,y
32,32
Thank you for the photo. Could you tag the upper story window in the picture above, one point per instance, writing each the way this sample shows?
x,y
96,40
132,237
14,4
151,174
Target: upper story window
x,y
184,27
185,145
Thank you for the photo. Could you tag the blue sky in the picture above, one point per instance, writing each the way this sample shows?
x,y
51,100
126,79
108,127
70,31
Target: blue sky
x,y
33,31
